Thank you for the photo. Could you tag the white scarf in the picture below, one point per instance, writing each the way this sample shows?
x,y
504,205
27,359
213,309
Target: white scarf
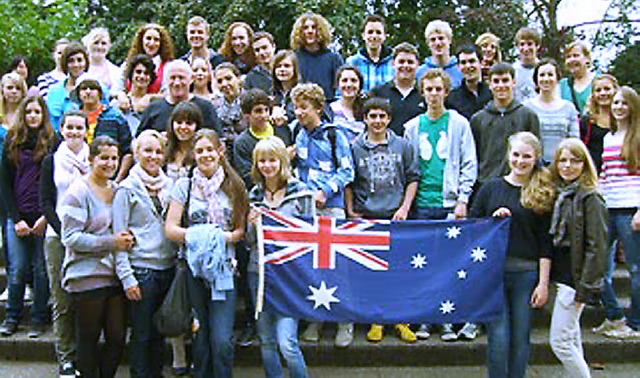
x,y
159,184
68,166
209,190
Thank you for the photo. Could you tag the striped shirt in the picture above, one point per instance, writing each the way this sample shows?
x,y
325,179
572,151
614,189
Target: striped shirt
x,y
620,187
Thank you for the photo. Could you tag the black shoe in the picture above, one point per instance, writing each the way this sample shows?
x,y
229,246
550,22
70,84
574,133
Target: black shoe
x,y
8,328
67,370
36,330
247,337
180,371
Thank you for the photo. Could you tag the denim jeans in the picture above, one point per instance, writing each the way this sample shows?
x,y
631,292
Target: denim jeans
x,y
435,213
508,335
620,229
145,343
213,347
63,314
26,254
278,331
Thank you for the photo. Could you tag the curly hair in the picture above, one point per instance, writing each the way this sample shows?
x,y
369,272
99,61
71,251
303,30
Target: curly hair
x,y
226,50
631,144
539,194
18,134
323,29
146,61
167,50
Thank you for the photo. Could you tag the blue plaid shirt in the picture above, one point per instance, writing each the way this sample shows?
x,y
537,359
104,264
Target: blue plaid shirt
x,y
373,73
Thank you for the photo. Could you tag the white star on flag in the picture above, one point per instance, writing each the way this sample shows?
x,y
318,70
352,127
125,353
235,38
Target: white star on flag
x,y
462,274
453,232
478,254
447,307
418,261
322,296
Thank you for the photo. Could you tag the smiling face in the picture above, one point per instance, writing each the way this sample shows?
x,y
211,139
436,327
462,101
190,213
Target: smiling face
x,y
151,42
207,156
620,108
141,76
569,166
239,40
575,60
522,159
528,50
263,50
489,51
349,84
22,70
179,80
184,130
502,86
74,131
406,65
547,78
469,65
374,35
76,65
33,115
89,96
269,165
439,44
259,117
104,165
310,34
377,121
603,91
201,72
228,83
150,154
100,47
307,114
197,36
285,70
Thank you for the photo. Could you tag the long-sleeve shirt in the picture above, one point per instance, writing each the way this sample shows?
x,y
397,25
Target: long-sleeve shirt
x,y
621,188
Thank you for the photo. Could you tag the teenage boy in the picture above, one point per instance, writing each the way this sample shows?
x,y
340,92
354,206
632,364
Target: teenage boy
x,y
264,47
198,39
385,183
402,91
474,93
438,34
324,163
443,142
501,118
528,44
310,39
375,59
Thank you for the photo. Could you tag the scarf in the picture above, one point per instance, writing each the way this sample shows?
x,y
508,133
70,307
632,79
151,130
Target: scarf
x,y
209,190
158,184
68,166
562,212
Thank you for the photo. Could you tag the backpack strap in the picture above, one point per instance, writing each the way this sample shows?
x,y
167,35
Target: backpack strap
x,y
331,135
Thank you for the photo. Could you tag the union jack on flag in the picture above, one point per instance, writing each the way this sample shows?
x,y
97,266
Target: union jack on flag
x,y
325,238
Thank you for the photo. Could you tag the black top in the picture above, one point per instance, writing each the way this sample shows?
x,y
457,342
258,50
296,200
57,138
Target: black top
x,y
466,102
561,268
48,194
593,136
529,232
259,77
157,115
402,108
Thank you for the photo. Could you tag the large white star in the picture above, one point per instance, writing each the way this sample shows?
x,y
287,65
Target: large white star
x,y
418,261
462,274
453,232
322,296
447,307
479,254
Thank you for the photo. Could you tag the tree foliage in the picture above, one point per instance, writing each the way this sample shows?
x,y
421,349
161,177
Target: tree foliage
x,y
625,66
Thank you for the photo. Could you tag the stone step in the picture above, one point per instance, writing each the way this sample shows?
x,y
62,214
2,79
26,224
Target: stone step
x,y
390,352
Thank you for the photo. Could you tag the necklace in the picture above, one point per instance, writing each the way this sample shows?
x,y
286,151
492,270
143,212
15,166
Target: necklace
x,y
270,194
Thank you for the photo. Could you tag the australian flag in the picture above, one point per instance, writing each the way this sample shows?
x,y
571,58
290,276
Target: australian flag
x,y
388,272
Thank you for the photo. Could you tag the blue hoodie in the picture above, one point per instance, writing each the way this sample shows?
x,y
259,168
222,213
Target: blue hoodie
x,y
451,68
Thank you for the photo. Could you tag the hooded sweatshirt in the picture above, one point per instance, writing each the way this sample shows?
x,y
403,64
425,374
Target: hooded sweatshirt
x,y
320,67
450,68
373,73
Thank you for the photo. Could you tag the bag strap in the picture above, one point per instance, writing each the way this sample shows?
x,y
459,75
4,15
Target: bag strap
x,y
184,220
574,98
331,135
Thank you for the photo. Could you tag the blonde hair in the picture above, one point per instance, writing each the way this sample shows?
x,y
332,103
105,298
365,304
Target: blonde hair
x,y
94,35
147,134
323,28
308,92
584,49
588,178
272,146
438,26
490,39
539,194
592,106
17,80
631,145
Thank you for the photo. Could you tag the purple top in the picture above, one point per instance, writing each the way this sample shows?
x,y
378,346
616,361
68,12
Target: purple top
x,y
25,186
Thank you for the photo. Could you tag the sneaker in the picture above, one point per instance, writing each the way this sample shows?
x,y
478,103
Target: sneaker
x,y
5,295
247,337
376,333
405,333
624,333
447,333
8,328
423,332
67,370
180,371
28,294
312,333
36,330
344,336
468,332
610,325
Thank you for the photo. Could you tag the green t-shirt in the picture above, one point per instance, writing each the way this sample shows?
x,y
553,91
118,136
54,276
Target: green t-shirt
x,y
433,148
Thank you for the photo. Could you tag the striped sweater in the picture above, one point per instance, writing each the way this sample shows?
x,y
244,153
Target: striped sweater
x,y
620,187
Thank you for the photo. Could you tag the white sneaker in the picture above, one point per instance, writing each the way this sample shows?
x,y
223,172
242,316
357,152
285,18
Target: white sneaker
x,y
312,333
624,333
423,332
28,294
468,332
610,325
447,333
344,337
5,295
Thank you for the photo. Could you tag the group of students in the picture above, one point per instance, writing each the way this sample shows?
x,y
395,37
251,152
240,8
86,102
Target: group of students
x,y
298,131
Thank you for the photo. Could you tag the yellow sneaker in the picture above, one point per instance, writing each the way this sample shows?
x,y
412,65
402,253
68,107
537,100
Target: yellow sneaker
x,y
376,333
405,333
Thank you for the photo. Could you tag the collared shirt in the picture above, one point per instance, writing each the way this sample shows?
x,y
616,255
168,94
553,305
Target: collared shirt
x,y
403,108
